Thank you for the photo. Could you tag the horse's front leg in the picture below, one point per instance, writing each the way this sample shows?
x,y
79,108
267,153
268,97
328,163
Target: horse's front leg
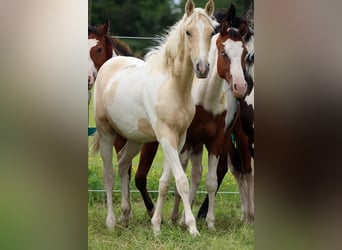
x,y
196,173
171,144
211,186
125,157
184,158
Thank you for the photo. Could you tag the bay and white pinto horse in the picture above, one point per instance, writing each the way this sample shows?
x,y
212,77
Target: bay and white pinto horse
x,y
150,100
214,112
102,47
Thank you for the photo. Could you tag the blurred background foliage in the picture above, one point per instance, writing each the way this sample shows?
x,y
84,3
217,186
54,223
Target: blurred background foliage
x,y
146,18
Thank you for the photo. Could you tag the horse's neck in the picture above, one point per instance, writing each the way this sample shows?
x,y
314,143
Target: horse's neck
x,y
232,105
179,64
184,75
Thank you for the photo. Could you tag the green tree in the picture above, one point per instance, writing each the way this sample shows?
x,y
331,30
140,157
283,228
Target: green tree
x,y
135,18
147,18
240,5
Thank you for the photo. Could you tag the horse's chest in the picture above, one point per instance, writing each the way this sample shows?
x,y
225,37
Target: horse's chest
x,y
206,125
176,117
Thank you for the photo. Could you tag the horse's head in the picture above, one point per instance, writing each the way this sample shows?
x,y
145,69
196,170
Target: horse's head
x,y
231,45
100,50
199,28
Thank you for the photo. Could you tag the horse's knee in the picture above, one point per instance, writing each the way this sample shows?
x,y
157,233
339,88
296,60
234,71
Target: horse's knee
x,y
182,185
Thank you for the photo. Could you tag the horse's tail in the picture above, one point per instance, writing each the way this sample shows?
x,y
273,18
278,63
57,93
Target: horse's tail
x,y
95,144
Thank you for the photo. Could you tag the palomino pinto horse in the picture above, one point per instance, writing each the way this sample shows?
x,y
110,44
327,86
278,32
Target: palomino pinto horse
x,y
101,48
150,100
241,155
210,122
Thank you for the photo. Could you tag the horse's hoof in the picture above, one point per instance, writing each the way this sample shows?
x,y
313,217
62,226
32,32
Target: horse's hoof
x,y
194,232
110,222
123,221
156,230
150,212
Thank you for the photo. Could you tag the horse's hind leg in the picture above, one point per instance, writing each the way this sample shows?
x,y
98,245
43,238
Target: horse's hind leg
x,y
147,155
106,150
164,184
125,157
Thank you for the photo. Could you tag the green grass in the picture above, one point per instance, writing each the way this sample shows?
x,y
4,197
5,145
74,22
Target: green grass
x,y
230,232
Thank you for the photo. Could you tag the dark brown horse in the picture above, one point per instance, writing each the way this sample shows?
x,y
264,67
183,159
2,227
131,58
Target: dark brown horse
x,y
211,119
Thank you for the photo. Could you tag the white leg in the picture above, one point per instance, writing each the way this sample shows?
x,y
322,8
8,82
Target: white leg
x,y
172,158
196,174
125,157
184,158
164,184
242,186
106,150
211,185
243,192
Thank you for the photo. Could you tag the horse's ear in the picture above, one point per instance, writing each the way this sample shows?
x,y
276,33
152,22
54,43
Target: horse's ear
x,y
224,27
107,26
189,7
209,7
104,28
231,14
243,29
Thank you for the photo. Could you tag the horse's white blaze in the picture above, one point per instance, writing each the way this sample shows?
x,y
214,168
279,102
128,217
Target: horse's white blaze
x,y
234,51
92,71
202,50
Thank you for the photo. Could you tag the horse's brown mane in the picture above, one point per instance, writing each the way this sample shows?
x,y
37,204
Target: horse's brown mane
x,y
120,47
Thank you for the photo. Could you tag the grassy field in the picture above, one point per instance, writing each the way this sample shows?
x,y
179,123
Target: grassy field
x,y
230,232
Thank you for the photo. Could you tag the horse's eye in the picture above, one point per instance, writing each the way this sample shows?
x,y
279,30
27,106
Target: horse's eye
x,y
223,53
99,50
188,33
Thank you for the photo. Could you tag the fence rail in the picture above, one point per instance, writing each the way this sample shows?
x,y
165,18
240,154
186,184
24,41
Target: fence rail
x,y
156,191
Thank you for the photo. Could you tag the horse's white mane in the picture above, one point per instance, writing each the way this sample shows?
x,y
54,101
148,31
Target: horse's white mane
x,y
168,43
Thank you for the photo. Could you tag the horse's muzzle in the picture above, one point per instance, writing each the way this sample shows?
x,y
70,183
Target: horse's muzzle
x,y
239,89
202,70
